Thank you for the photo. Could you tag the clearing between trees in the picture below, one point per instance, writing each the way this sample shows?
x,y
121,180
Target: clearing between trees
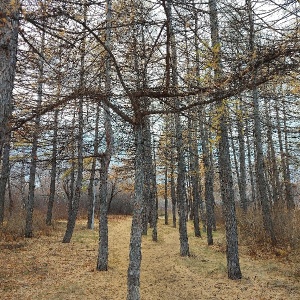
x,y
45,268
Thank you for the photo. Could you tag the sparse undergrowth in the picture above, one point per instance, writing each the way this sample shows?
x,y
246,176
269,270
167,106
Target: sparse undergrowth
x,y
45,268
13,228
286,228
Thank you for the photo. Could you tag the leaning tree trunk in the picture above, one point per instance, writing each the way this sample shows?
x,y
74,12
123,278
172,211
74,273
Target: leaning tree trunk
x,y
78,186
226,181
8,57
75,198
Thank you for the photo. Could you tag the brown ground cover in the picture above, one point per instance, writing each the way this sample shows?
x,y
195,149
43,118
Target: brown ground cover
x,y
44,268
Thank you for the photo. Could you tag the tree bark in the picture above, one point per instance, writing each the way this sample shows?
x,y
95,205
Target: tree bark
x,y
194,170
53,170
32,174
260,165
181,189
8,57
78,185
284,154
242,159
226,182
135,254
209,181
91,188
166,195
102,263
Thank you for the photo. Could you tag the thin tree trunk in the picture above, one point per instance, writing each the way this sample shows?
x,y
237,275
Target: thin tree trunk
x,y
5,173
260,165
194,169
242,159
166,196
273,164
78,186
32,174
289,193
53,170
289,201
154,210
75,196
236,166
209,182
10,197
102,263
173,188
249,160
91,188
181,188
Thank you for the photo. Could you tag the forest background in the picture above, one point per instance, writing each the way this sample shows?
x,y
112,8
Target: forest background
x,y
188,109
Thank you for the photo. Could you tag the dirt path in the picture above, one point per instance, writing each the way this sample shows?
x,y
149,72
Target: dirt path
x,y
44,268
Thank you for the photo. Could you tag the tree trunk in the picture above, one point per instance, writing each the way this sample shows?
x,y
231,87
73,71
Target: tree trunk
x,y
75,198
32,174
102,262
181,189
173,188
226,182
209,182
91,188
288,195
8,56
166,196
194,170
154,208
53,170
242,159
5,173
260,165
78,186
249,161
135,255
274,174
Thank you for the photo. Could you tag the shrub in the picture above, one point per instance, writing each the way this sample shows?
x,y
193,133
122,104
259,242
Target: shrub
x,y
286,228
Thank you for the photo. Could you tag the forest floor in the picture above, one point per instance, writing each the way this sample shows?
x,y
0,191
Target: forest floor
x,y
45,268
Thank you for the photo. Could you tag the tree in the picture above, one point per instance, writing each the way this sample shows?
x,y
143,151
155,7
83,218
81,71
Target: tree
x,y
260,166
9,22
182,210
78,185
106,156
226,182
35,138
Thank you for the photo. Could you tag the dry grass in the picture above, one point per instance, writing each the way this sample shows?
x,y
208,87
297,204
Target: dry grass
x,y
44,268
